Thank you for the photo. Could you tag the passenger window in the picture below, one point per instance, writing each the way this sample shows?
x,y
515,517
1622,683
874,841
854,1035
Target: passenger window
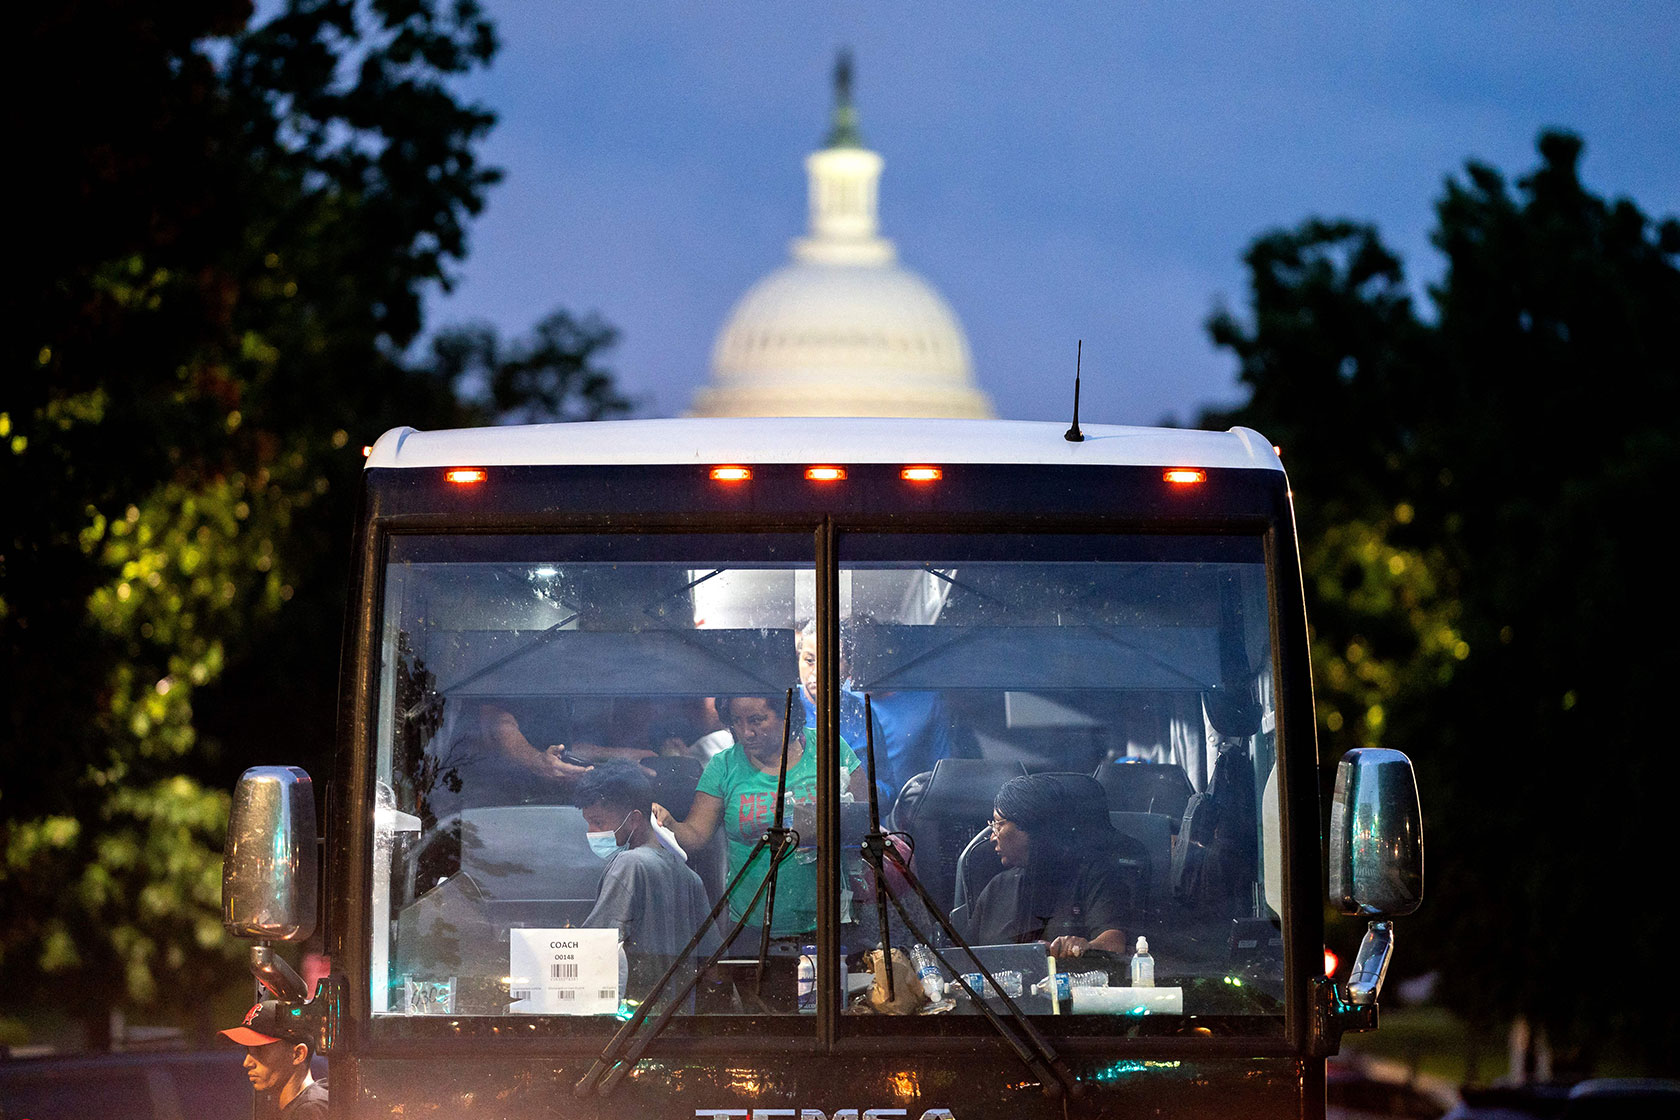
x,y
578,744
1076,737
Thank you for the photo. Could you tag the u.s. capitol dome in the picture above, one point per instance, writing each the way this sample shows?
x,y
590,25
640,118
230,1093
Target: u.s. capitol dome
x,y
842,329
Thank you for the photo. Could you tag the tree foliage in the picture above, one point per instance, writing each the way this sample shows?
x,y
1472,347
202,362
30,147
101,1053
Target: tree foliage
x,y
230,231
553,375
1477,496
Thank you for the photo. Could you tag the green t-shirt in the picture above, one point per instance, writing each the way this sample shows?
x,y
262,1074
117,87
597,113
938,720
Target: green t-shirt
x,y
749,797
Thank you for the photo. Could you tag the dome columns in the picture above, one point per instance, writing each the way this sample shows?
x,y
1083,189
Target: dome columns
x,y
844,185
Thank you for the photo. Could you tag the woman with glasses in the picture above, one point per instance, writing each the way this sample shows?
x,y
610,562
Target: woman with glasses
x,y
1060,884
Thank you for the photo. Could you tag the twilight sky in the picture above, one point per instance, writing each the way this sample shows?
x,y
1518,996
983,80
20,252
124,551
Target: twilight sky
x,y
1057,171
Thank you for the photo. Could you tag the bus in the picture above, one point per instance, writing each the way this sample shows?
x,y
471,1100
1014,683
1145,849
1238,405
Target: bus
x,y
1041,836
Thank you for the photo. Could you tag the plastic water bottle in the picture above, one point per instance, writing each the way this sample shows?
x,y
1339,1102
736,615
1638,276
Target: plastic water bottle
x,y
1143,965
1060,983
808,978
927,969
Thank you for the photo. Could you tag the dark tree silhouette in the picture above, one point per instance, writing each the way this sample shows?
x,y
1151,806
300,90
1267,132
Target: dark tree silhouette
x,y
1480,501
229,230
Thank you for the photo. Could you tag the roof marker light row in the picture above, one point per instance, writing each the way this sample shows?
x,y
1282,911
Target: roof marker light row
x,y
1177,476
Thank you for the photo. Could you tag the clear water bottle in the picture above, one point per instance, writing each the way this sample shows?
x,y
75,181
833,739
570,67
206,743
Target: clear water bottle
x,y
927,970
808,978
1059,983
1143,965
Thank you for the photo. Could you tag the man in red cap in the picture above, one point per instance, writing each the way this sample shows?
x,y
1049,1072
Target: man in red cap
x,y
277,1054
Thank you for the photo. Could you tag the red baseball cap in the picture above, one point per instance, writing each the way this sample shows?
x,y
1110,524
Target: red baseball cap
x,y
266,1022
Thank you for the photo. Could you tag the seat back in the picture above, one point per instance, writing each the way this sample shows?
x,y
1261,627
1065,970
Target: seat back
x,y
975,867
481,873
1149,834
1145,787
530,853
957,804
1217,859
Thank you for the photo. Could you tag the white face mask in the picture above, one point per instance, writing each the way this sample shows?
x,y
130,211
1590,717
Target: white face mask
x,y
606,844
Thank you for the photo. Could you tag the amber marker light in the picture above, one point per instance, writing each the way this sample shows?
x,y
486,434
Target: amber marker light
x,y
825,474
921,474
731,474
1185,476
466,476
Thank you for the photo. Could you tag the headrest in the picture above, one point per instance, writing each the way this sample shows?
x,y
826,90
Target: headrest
x,y
1070,804
1232,711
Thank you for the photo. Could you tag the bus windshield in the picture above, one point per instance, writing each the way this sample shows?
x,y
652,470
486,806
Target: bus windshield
x,y
580,740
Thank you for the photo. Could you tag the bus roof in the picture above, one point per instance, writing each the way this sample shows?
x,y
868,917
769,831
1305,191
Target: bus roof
x,y
820,440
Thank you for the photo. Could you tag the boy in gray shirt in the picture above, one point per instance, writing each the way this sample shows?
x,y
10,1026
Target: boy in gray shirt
x,y
648,893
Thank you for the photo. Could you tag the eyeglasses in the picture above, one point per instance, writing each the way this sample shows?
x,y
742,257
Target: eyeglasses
x,y
997,823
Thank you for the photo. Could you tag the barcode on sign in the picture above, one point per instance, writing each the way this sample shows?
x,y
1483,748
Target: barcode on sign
x,y
608,993
566,970
521,993
564,994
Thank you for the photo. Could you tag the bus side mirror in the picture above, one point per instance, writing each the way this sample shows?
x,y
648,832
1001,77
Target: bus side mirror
x,y
1376,870
1376,836
269,862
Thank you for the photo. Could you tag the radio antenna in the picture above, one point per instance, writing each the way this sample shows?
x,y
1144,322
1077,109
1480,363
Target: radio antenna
x,y
1073,434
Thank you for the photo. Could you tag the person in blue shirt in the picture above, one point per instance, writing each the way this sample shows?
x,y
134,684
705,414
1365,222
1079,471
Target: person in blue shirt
x,y
912,729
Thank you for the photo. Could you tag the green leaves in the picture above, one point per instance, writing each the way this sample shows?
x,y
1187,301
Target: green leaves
x,y
232,229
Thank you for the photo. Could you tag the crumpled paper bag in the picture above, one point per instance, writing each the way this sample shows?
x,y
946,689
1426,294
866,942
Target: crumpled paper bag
x,y
908,994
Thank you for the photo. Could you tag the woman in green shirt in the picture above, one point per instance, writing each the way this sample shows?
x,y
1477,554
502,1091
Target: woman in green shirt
x,y
738,790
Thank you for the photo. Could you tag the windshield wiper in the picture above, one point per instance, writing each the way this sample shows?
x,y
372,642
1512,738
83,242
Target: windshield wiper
x,y
626,1048
875,846
1026,1040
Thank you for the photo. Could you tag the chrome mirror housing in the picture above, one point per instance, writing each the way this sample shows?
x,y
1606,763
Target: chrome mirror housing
x,y
269,863
1376,871
1376,836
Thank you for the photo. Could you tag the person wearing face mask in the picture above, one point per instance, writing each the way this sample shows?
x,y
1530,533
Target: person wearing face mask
x,y
647,893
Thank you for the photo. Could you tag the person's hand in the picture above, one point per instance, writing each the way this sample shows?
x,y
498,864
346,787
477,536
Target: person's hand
x,y
1068,946
594,752
663,815
556,766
